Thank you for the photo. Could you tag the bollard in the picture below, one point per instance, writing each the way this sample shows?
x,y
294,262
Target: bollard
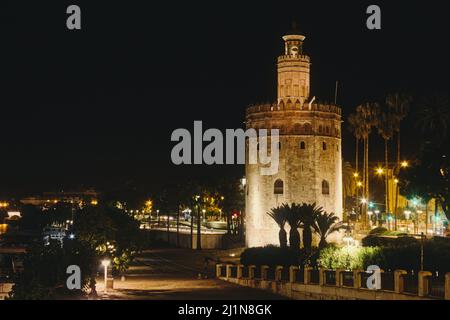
x,y
293,274
240,267
264,271
424,279
278,273
219,270
322,276
228,270
357,279
251,272
447,286
339,277
307,275
399,281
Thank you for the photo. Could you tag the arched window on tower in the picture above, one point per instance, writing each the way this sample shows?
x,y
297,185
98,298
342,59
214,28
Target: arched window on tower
x,y
302,145
324,146
278,187
307,128
325,187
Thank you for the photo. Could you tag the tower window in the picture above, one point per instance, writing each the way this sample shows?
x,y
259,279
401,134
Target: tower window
x,y
324,146
279,146
325,187
307,128
278,187
303,145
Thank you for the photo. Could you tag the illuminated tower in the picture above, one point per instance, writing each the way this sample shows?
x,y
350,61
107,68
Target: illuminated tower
x,y
310,165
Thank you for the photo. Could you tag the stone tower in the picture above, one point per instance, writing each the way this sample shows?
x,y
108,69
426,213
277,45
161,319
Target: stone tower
x,y
310,168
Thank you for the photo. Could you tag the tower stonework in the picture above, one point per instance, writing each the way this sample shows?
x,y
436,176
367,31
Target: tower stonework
x,y
310,164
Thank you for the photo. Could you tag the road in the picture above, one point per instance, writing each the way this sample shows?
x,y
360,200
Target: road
x,y
172,274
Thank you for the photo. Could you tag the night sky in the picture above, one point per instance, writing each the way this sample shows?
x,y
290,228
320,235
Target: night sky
x,y
96,107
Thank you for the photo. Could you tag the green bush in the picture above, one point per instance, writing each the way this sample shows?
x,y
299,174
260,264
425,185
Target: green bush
x,y
378,231
386,241
350,258
271,256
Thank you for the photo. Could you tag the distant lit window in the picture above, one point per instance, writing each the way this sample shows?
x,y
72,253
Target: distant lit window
x,y
325,187
278,187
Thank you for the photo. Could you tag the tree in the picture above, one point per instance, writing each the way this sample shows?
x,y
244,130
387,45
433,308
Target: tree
x,y
355,127
44,275
367,119
399,104
433,118
385,125
308,214
293,218
325,224
279,215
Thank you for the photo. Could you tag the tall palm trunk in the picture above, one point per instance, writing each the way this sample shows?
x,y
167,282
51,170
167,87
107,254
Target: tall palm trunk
x,y
199,231
294,238
386,178
366,181
397,187
307,238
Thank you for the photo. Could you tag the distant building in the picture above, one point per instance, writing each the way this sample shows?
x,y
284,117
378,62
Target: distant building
x,y
51,198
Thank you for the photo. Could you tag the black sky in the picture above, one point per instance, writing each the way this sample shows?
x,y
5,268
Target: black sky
x,y
96,107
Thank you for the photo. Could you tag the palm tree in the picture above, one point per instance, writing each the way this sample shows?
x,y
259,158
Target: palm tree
x,y
349,184
385,127
326,224
368,116
279,215
307,214
355,128
399,104
293,218
433,118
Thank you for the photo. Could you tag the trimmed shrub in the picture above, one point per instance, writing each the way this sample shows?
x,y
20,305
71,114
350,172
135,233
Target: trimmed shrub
x,y
387,241
378,231
350,258
271,256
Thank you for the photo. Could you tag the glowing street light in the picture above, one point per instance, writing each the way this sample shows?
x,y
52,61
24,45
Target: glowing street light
x,y
356,174
106,264
363,201
407,214
348,240
380,171
359,184
404,164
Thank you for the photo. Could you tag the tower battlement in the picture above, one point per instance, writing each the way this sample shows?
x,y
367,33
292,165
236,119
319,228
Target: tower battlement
x,y
293,106
290,58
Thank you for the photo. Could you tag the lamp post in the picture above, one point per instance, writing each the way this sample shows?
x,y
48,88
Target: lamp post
x,y
106,264
407,216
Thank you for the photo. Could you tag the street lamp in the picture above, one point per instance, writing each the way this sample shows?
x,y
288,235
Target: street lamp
x,y
106,264
407,216
404,164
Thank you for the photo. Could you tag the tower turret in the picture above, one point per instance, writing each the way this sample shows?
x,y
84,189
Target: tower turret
x,y
293,72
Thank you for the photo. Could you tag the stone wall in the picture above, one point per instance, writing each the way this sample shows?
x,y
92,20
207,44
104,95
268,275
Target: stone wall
x,y
285,283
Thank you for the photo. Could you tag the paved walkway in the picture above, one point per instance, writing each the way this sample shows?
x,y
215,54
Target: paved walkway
x,y
173,274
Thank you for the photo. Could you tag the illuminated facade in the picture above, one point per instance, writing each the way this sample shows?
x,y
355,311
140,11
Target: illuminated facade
x,y
310,164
